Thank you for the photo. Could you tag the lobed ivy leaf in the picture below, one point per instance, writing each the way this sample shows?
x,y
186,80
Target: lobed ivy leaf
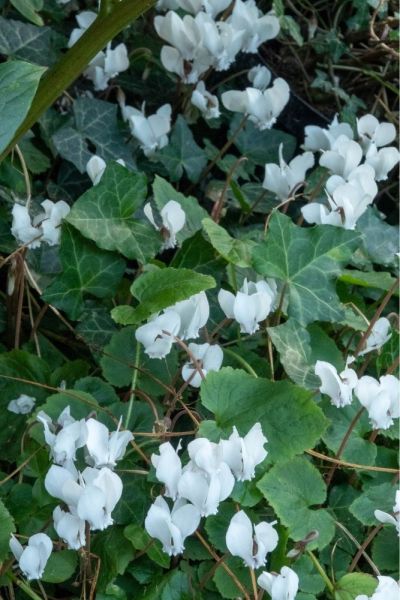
x,y
292,488
380,240
86,270
235,251
159,289
29,9
290,419
307,261
104,214
18,84
40,45
182,154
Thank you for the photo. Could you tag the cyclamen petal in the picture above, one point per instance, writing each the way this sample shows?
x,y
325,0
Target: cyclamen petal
x,y
385,517
379,335
157,336
21,405
251,305
243,454
380,398
339,387
171,527
281,586
388,589
33,558
249,542
210,357
70,528
168,468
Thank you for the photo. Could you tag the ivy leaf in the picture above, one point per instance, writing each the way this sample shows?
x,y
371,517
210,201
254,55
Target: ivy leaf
x,y
95,121
307,261
40,45
164,192
292,488
300,348
290,419
371,279
380,240
18,84
261,147
6,529
29,8
234,251
182,153
104,214
86,270
159,289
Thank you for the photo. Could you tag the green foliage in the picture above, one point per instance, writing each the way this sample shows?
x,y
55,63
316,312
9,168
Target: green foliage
x,y
86,270
104,214
307,261
292,488
288,416
352,585
18,81
7,527
159,289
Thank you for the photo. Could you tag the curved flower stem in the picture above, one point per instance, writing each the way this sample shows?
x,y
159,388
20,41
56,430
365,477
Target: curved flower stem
x,y
321,571
363,547
343,444
254,583
24,587
113,18
133,386
241,361
220,561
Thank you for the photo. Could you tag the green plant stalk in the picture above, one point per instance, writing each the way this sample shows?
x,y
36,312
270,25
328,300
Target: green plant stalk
x,y
24,587
133,386
321,571
241,361
110,22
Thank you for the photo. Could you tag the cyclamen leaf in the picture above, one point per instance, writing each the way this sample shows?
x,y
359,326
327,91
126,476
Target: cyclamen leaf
x,y
60,566
307,261
18,84
300,348
104,214
381,497
160,289
354,584
291,488
6,529
234,251
290,419
86,270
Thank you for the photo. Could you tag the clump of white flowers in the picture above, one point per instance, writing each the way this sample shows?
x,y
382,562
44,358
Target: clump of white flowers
x,y
44,227
198,43
202,484
354,165
90,495
106,64
385,517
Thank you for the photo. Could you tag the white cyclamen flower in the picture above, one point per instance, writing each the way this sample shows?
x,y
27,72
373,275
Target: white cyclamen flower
x,y
382,161
33,558
339,387
45,226
210,359
250,542
380,398
105,448
207,103
22,405
152,132
22,228
243,454
222,41
157,336
385,517
251,304
370,130
379,335
388,589
317,138
92,498
65,442
168,468
258,28
285,178
193,313
281,586
50,220
205,490
186,56
96,166
70,528
262,108
171,527
260,77
343,158
173,221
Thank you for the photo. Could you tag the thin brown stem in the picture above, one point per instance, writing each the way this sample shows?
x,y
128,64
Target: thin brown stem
x,y
343,444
